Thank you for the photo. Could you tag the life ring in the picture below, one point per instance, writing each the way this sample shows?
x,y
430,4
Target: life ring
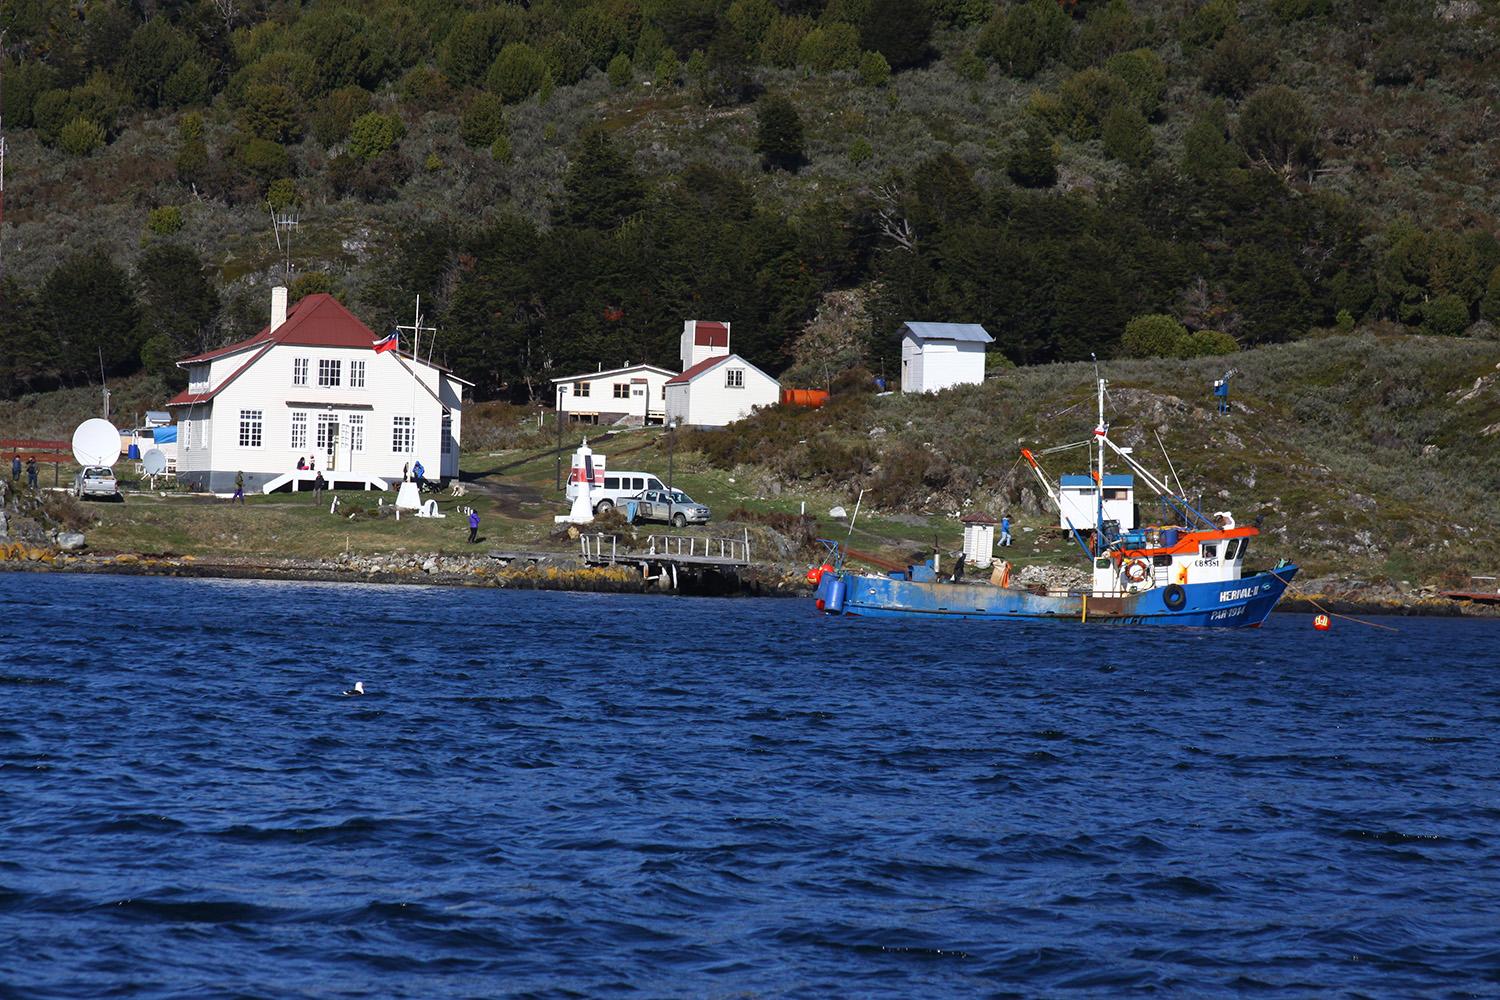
x,y
1174,597
1137,570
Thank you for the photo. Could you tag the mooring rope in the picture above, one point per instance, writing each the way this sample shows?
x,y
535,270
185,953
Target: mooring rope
x,y
1332,614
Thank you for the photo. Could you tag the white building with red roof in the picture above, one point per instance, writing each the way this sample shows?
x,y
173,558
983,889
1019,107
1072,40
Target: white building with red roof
x,y
311,385
716,387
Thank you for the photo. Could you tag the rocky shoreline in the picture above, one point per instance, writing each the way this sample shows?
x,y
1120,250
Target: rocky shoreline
x,y
565,573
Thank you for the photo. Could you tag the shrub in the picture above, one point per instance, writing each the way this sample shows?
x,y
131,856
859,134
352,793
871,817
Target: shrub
x,y
667,71
1023,38
1106,30
265,159
1207,343
426,85
1154,336
874,71
1088,97
374,134
1238,63
500,150
1126,135
483,121
1145,74
282,194
783,40
1445,316
1278,130
830,47
1489,306
898,30
164,221
779,134
619,71
969,66
269,111
1032,162
860,151
433,163
80,137
336,112
1208,23
189,84
1344,321
516,73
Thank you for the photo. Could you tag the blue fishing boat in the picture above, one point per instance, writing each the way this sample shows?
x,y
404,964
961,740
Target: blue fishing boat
x,y
1187,571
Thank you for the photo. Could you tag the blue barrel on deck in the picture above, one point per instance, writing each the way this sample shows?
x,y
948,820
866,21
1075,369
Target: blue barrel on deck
x,y
835,602
1168,538
134,454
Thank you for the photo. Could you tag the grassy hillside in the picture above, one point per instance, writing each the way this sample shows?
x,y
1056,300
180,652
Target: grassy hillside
x,y
1257,167
1373,456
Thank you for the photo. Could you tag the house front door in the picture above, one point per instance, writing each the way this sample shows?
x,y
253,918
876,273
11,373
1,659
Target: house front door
x,y
331,461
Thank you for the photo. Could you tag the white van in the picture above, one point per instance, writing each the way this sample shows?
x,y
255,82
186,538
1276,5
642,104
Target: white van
x,y
618,487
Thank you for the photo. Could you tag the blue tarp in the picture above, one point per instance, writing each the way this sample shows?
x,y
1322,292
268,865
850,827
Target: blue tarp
x,y
1110,480
165,435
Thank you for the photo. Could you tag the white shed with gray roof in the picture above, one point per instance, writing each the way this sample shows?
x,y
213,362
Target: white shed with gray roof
x,y
936,356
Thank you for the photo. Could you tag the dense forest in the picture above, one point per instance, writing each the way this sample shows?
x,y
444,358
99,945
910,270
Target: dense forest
x,y
564,181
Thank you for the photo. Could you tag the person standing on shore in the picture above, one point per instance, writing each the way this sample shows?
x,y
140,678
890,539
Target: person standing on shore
x,y
239,489
319,485
1005,529
15,468
473,526
31,472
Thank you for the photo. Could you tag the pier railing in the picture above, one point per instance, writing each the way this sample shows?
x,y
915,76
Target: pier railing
x,y
736,549
600,547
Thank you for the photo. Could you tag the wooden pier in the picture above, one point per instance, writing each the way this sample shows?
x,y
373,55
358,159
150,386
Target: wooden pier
x,y
667,558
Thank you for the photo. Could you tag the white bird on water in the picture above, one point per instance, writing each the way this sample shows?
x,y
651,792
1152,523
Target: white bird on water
x,y
359,688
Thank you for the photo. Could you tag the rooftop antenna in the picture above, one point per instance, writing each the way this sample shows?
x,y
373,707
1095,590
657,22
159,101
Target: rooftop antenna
x,y
283,224
416,329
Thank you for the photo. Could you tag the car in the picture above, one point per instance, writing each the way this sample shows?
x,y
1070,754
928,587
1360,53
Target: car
x,y
617,488
96,481
672,507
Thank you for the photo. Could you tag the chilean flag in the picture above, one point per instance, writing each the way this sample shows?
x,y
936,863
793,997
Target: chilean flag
x,y
387,343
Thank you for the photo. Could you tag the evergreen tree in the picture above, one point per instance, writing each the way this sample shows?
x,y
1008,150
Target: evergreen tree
x,y
89,309
600,188
1032,162
778,137
898,30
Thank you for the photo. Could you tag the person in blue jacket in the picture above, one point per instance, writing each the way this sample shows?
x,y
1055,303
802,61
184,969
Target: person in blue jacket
x,y
473,526
1005,529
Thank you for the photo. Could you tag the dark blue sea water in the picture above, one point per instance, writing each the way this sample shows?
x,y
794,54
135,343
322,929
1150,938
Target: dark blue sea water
x,y
562,795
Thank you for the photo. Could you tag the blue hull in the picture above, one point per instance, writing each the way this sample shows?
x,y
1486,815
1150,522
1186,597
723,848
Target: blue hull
x,y
1232,604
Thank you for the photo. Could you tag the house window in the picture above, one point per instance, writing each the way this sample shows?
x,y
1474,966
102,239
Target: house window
x,y
187,434
299,371
403,435
356,374
250,421
583,389
734,378
1210,552
357,431
449,445
622,390
198,378
328,372
299,430
328,430
203,433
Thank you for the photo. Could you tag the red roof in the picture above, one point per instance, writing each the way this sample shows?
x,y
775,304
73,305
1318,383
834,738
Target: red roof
x,y
707,333
698,369
316,321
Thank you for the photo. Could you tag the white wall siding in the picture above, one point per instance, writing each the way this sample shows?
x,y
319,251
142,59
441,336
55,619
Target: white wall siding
x,y
710,401
643,400
934,365
389,391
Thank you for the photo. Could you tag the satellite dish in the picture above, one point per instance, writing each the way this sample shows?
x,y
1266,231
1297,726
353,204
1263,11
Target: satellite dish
x,y
96,442
154,462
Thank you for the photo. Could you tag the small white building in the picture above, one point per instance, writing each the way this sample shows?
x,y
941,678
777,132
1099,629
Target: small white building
x,y
312,385
936,356
979,539
719,390
1079,502
634,395
715,387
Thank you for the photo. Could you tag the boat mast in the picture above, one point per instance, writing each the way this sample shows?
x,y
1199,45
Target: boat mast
x,y
1099,434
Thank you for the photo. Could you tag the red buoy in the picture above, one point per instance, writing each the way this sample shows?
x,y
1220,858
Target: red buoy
x,y
1320,622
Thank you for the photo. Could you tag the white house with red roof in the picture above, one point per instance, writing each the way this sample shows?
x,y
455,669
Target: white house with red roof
x,y
311,385
716,387
633,395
